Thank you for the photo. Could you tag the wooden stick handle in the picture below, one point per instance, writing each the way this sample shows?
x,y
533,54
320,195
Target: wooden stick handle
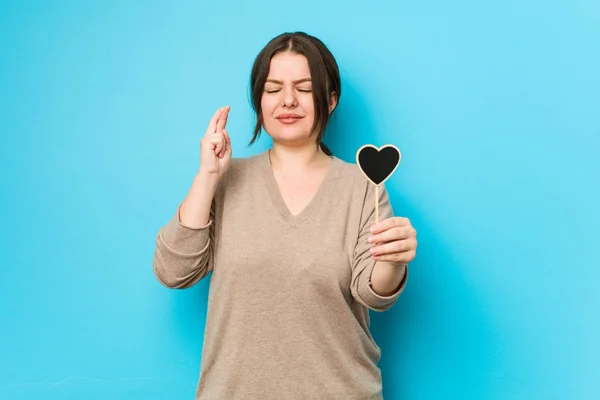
x,y
376,203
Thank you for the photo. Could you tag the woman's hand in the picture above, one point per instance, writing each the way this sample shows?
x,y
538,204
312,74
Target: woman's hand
x,y
215,146
395,239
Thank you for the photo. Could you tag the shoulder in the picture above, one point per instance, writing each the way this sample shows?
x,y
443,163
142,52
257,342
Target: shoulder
x,y
240,164
243,169
351,175
351,186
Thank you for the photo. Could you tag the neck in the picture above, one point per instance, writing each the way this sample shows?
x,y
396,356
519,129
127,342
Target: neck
x,y
297,157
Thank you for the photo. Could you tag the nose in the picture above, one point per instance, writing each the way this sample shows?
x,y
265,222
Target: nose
x,y
289,99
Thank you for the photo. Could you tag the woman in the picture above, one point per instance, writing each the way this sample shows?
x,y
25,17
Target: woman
x,y
287,235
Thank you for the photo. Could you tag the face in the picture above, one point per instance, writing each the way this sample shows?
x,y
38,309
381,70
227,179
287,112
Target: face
x,y
287,103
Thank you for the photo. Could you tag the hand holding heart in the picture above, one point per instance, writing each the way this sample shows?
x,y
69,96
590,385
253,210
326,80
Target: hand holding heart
x,y
394,240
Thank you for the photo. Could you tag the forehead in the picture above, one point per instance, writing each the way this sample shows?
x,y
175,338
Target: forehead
x,y
288,66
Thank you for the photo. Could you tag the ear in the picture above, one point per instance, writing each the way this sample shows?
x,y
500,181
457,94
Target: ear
x,y
332,102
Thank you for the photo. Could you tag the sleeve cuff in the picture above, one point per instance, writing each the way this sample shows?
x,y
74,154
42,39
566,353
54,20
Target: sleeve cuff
x,y
183,239
376,301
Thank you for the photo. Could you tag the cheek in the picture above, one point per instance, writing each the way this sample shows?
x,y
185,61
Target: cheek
x,y
307,103
308,106
268,105
267,112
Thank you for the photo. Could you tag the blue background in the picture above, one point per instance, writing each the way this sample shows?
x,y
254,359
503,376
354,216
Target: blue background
x,y
495,106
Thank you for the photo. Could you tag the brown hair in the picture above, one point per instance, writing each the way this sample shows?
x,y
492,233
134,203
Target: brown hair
x,y
324,71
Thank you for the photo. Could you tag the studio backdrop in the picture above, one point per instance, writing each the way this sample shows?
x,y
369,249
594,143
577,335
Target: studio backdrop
x,y
494,105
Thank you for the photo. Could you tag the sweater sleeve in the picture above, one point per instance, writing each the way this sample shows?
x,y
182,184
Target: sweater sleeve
x,y
183,256
363,262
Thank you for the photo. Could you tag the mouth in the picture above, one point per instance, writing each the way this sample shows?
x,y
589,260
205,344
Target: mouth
x,y
289,118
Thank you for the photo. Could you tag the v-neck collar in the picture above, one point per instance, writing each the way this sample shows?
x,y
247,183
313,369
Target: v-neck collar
x,y
312,207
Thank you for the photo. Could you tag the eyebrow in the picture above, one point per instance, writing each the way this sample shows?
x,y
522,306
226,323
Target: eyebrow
x,y
295,82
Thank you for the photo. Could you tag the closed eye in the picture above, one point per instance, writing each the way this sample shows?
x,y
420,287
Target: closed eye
x,y
300,90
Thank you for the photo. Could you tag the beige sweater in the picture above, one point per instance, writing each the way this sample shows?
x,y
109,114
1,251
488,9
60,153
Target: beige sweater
x,y
289,297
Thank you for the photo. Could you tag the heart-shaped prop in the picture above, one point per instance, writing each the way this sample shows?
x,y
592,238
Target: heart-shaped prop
x,y
378,164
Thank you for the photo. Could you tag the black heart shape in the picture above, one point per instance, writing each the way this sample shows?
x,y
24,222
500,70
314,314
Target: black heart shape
x,y
378,164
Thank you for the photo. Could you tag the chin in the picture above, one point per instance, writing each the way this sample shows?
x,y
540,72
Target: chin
x,y
289,134
290,140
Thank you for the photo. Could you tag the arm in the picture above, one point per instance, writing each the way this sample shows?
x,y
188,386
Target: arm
x,y
387,277
375,284
185,245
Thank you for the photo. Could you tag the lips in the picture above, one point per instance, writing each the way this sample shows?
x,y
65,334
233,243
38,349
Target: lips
x,y
289,118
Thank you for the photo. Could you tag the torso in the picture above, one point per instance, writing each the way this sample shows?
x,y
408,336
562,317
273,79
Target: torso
x,y
282,314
